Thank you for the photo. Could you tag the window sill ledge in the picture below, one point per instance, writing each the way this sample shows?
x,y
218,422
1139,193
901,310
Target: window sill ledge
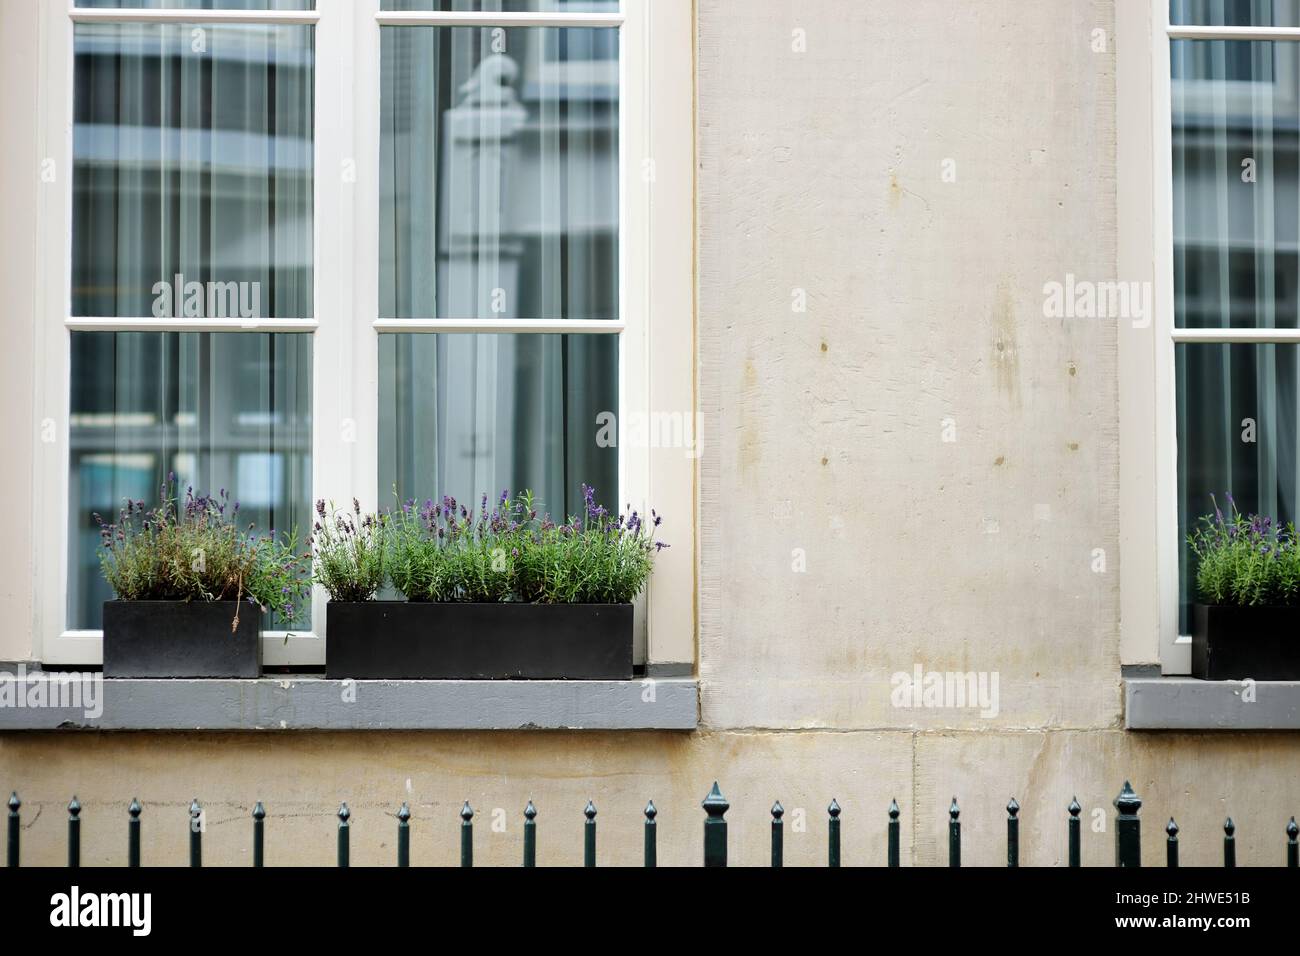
x,y
1185,703
307,703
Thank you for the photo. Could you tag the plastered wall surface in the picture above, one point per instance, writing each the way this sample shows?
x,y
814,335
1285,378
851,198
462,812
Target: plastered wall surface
x,y
822,174
821,178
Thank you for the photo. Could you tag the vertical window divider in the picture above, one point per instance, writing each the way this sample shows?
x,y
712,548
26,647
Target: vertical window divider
x,y
53,643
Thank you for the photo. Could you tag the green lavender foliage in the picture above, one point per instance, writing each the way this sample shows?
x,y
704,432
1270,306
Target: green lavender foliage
x,y
193,550
1246,559
350,551
445,552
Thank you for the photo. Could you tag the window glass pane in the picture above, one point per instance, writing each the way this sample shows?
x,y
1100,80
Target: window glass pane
x,y
1237,433
1235,13
192,174
1236,130
499,177
503,6
468,415
199,4
224,410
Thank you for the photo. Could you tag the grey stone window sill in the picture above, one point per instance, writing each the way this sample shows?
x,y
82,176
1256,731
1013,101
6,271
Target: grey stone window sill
x,y
1185,703
310,703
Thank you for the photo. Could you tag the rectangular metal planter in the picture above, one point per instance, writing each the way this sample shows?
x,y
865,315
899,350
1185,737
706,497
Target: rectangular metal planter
x,y
1234,643
182,639
410,640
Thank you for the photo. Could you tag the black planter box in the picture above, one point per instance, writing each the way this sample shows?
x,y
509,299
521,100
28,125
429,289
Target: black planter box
x,y
181,639
410,640
1234,643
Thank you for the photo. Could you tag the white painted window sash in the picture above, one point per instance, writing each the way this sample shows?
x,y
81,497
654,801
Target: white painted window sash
x,y
503,326
129,324
472,18
1285,34
145,15
656,133
1149,409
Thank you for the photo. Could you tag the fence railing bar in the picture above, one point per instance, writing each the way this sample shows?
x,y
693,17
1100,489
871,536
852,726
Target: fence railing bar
x,y
893,858
1171,844
651,836
466,835
259,837
833,835
715,827
1076,854
1229,843
589,836
1013,833
196,833
954,834
403,835
345,835
74,833
530,835
133,833
15,828
778,836
1128,828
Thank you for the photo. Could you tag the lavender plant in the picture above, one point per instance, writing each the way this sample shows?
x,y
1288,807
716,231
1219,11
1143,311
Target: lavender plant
x,y
192,550
442,551
349,551
1246,559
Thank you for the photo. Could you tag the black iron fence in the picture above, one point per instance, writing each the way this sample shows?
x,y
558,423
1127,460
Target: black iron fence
x,y
1128,834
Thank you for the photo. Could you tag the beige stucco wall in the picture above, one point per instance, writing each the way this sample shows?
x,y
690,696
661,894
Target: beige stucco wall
x,y
822,171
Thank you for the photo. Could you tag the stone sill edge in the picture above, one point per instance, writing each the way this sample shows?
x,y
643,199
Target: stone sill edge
x,y
290,702
1185,703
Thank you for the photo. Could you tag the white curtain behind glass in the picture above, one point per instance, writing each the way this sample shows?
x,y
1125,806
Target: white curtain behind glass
x,y
499,199
1236,116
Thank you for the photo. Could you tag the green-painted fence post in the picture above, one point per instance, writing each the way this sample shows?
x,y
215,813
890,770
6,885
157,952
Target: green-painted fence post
x,y
1292,844
196,833
778,836
404,835
894,859
133,833
1128,828
15,827
466,835
259,837
1171,845
345,835
651,836
530,835
954,834
1076,854
1013,833
74,832
589,835
715,827
1229,843
833,835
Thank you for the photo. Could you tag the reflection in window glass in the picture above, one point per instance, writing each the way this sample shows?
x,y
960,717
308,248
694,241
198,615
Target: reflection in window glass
x,y
192,191
1238,433
1236,162
226,410
1235,13
499,180
468,415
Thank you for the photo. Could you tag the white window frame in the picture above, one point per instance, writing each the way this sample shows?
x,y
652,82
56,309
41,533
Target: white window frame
x,y
1149,545
656,290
